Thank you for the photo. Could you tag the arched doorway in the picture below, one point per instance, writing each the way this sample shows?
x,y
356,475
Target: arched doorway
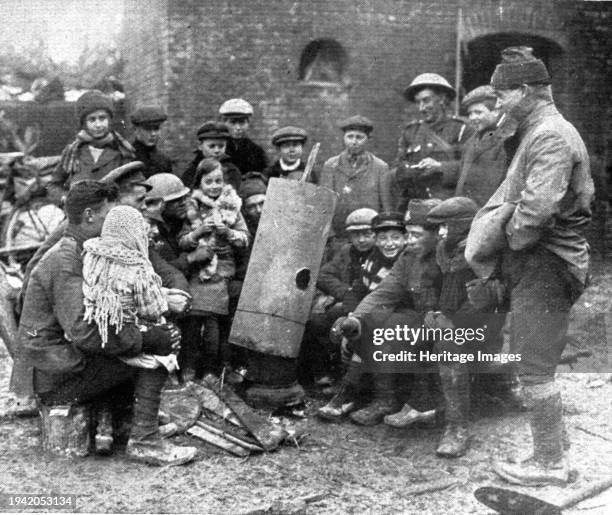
x,y
482,54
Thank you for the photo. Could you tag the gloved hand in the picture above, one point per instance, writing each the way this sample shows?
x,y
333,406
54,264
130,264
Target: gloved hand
x,y
350,327
486,293
436,320
160,339
200,255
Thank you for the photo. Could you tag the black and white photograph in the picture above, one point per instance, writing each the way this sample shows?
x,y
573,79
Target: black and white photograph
x,y
306,256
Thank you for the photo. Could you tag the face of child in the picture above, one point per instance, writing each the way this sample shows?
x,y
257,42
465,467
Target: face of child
x,y
390,242
253,206
212,183
148,135
214,148
238,127
355,141
481,117
419,239
291,151
97,124
362,240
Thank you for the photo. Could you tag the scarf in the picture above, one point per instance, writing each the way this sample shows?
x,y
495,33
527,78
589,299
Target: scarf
x,y
69,160
376,268
119,283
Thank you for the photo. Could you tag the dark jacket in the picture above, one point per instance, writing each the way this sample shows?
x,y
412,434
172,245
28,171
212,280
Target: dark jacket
x,y
413,283
338,275
54,336
247,155
231,173
154,160
166,245
483,164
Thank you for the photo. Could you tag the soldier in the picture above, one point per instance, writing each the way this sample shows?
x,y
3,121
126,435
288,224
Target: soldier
x,y
243,152
545,258
147,121
484,161
429,149
289,141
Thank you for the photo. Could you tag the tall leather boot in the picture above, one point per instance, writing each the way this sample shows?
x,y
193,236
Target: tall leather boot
x,y
145,443
547,466
455,382
343,402
383,403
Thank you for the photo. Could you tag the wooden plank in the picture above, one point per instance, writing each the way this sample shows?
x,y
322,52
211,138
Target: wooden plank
x,y
229,437
210,401
217,441
269,435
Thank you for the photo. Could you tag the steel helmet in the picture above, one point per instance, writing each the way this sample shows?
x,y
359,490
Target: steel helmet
x,y
166,186
429,80
236,107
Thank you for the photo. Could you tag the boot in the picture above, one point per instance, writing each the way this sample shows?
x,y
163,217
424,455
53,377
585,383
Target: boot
x,y
104,431
384,402
455,382
145,443
343,402
408,416
547,466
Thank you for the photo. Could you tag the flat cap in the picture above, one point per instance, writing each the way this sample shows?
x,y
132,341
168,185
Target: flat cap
x,y
360,219
236,107
212,130
416,214
389,220
454,209
289,134
357,122
145,115
479,94
131,172
253,183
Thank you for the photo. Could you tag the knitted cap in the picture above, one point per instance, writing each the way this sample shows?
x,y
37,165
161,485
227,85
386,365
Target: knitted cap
x,y
91,101
289,134
519,66
416,214
454,209
253,183
212,130
360,219
480,94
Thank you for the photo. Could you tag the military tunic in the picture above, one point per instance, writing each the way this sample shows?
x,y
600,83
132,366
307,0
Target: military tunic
x,y
443,141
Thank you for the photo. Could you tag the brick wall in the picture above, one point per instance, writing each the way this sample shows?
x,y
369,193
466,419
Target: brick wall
x,y
191,55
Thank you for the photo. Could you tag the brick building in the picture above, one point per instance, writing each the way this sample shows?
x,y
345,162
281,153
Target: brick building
x,y
312,62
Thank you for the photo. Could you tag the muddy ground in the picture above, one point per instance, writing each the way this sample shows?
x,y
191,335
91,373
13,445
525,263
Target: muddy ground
x,y
356,469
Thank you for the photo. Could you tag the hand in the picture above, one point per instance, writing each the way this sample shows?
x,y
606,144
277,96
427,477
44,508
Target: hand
x,y
179,301
350,327
429,164
346,351
205,228
221,229
159,340
200,255
175,335
437,320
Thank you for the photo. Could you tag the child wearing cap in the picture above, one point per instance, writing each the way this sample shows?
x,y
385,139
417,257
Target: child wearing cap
x,y
147,121
289,142
212,137
358,177
335,293
215,225
389,240
96,149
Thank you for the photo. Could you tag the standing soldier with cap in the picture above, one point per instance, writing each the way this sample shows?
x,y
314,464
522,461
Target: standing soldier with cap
x,y
213,137
429,149
289,141
546,256
147,121
358,177
484,161
243,152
